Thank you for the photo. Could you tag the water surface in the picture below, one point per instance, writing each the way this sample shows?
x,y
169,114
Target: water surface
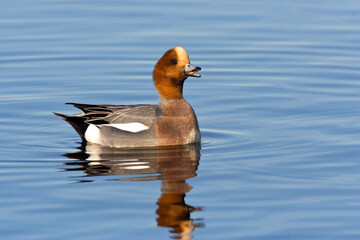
x,y
278,106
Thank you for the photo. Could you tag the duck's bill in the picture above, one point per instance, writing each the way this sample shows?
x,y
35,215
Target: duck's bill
x,y
191,70
192,74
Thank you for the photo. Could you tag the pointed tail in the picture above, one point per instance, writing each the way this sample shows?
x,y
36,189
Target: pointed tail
x,y
77,122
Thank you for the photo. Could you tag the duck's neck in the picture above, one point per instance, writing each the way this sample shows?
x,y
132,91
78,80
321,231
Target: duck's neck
x,y
164,102
167,87
170,91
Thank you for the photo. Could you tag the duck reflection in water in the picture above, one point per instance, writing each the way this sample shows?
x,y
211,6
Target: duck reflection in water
x,y
172,165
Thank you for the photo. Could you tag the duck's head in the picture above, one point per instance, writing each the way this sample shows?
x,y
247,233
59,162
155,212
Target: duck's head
x,y
171,71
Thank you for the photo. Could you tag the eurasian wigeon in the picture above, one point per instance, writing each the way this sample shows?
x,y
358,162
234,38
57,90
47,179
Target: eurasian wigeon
x,y
172,122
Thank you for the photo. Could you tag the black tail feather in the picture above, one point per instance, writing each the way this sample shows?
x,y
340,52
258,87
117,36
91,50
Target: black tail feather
x,y
82,107
77,122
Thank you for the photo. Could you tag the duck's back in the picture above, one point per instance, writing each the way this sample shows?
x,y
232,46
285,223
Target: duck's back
x,y
136,125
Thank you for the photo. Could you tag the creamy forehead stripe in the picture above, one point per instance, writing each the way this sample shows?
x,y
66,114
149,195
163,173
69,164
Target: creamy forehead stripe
x,y
182,54
129,127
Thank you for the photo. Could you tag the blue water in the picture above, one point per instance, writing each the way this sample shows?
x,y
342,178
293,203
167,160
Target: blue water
x,y
278,105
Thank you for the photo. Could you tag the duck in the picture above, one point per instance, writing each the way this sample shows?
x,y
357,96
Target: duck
x,y
171,122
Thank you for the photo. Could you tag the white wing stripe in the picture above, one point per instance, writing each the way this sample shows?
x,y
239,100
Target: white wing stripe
x,y
129,127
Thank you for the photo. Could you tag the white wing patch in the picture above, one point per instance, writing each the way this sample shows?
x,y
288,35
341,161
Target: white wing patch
x,y
92,134
130,127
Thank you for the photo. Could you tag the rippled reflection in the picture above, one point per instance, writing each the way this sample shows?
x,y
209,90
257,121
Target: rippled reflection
x,y
173,166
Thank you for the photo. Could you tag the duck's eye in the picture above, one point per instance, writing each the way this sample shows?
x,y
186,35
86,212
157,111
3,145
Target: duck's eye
x,y
173,61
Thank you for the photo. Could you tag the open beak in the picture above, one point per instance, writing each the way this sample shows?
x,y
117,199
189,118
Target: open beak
x,y
191,70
